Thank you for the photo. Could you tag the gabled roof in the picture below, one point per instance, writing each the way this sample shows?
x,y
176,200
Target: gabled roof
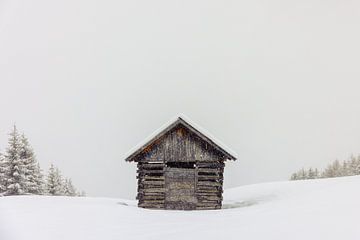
x,y
192,127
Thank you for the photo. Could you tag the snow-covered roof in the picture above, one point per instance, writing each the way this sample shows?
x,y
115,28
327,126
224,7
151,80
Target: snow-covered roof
x,y
189,124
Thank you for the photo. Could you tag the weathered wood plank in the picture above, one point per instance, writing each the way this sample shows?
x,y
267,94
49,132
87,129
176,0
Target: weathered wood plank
x,y
208,204
208,208
150,168
209,190
210,194
153,197
208,198
154,201
206,183
152,178
149,171
152,190
149,182
206,177
154,206
150,164
211,170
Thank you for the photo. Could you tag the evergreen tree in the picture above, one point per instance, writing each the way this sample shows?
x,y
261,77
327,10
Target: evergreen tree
x,y
303,174
345,171
312,174
32,171
328,172
357,166
54,184
3,174
69,189
352,165
316,172
61,181
333,170
294,176
39,179
15,176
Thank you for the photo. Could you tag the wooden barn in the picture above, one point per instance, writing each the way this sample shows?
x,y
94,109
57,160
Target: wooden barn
x,y
180,168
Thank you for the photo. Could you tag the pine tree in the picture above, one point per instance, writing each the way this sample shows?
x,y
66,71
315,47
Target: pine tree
x,y
32,174
3,173
352,165
61,181
345,169
54,183
294,176
312,174
16,180
316,172
39,179
357,166
337,168
303,174
69,189
328,172
332,170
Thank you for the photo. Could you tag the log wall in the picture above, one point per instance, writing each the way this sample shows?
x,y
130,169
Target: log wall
x,y
162,187
151,185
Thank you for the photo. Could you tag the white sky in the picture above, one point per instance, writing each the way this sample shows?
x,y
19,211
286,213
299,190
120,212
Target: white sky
x,y
277,81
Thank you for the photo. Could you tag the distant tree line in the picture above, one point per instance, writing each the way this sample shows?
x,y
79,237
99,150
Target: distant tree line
x,y
348,167
20,172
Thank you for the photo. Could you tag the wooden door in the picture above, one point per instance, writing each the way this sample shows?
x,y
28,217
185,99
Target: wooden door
x,y
180,186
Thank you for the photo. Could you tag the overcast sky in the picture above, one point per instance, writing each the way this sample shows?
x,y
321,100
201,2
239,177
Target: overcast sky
x,y
277,81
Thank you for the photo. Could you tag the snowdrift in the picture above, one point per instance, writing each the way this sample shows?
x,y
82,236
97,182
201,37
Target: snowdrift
x,y
311,209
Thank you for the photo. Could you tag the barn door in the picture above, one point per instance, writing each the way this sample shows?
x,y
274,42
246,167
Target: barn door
x,y
180,188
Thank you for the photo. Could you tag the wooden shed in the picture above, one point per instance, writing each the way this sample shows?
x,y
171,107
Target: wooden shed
x,y
180,168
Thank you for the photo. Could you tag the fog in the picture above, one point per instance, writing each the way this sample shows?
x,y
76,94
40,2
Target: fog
x,y
276,81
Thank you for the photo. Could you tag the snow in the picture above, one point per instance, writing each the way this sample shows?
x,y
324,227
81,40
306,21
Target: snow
x,y
310,209
190,122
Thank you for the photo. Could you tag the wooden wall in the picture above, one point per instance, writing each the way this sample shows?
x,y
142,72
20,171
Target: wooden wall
x,y
180,145
180,188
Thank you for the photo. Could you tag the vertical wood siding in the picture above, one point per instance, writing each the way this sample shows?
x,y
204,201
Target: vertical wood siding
x,y
180,145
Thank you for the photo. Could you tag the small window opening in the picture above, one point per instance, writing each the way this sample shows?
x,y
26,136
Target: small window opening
x,y
190,165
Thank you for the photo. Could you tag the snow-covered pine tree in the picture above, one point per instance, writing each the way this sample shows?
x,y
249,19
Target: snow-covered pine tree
x,y
352,165
61,181
39,179
32,174
69,189
302,174
337,168
357,166
16,180
312,174
329,172
294,176
345,169
54,185
3,174
316,172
